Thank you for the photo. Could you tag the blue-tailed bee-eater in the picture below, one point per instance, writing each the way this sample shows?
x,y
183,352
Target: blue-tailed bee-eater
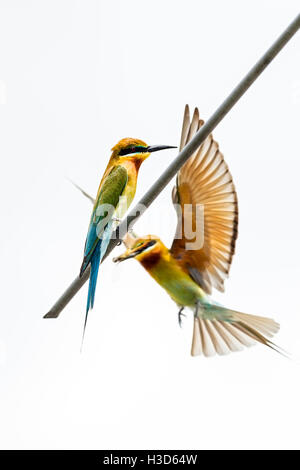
x,y
115,194
188,275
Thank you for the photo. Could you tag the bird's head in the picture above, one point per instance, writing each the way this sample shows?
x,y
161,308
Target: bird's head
x,y
142,248
135,149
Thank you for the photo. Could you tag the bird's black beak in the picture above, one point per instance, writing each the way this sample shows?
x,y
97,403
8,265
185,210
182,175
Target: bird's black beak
x,y
156,148
124,256
133,252
130,253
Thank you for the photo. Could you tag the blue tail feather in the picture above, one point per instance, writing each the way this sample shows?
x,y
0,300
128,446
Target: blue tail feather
x,y
96,259
95,262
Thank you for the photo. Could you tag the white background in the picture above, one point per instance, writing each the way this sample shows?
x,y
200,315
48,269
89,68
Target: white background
x,y
76,76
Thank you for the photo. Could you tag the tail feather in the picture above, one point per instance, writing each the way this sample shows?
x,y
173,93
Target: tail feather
x,y
241,338
234,341
95,262
218,330
266,326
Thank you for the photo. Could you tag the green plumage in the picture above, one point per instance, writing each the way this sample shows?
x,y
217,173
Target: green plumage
x,y
110,192
113,187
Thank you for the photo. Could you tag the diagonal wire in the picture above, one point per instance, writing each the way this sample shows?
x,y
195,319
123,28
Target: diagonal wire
x,y
183,156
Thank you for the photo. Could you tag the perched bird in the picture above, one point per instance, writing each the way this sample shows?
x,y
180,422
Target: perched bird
x,y
188,271
115,194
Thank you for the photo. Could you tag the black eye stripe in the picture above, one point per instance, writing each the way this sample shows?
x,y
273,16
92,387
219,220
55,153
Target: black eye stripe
x,y
151,243
129,150
147,245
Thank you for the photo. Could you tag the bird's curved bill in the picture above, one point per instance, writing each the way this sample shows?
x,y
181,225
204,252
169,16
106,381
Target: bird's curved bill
x,y
126,255
156,148
133,252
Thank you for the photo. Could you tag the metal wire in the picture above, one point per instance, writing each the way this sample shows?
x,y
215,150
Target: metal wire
x,y
183,156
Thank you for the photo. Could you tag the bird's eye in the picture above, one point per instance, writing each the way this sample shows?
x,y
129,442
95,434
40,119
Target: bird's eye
x,y
127,150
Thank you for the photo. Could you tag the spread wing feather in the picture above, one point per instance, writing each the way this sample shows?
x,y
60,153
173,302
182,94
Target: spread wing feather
x,y
205,179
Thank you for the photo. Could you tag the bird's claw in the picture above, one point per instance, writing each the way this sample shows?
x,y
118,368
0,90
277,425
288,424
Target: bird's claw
x,y
180,315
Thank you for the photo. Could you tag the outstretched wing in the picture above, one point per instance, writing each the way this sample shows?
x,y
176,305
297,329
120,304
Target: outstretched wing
x,y
108,197
205,180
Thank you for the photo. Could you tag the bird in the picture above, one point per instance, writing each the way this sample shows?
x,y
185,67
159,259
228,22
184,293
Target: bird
x,y
115,194
192,267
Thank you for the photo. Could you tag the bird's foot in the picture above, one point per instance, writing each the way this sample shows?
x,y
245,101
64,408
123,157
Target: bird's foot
x,y
180,315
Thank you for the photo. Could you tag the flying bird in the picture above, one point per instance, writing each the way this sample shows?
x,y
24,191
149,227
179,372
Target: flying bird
x,y
115,194
189,270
